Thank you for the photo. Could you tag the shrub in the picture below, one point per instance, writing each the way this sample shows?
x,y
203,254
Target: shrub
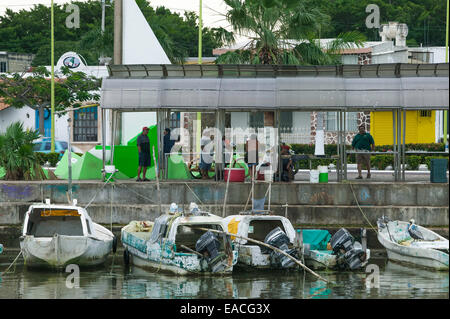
x,y
413,161
53,158
381,161
17,156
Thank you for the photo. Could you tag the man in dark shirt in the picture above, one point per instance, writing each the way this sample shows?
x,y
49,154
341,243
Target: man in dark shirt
x,y
143,144
168,143
363,142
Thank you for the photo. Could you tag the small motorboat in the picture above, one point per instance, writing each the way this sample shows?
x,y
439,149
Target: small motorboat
x,y
278,232
174,243
340,251
274,230
413,244
56,235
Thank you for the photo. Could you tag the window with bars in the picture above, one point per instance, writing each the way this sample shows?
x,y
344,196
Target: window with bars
x,y
286,122
174,121
332,121
425,113
256,119
85,125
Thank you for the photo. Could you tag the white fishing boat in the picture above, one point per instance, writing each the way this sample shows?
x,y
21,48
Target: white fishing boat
x,y
174,243
270,229
278,232
56,235
413,244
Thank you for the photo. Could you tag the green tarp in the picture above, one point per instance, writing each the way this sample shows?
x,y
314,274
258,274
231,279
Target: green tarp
x,y
62,169
316,238
2,172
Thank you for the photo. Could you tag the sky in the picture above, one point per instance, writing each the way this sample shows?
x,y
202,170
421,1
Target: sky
x,y
211,17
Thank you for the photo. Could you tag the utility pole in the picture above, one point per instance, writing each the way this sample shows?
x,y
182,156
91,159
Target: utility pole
x,y
446,61
103,16
118,8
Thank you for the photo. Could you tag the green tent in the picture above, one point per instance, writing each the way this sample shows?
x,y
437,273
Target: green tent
x,y
90,167
62,169
177,168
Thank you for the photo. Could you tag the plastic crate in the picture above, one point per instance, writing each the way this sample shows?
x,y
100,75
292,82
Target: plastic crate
x,y
438,172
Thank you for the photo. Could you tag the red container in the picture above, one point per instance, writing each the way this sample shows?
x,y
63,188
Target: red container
x,y
236,174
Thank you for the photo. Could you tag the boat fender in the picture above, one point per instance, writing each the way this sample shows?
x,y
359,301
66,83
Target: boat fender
x,y
114,244
126,257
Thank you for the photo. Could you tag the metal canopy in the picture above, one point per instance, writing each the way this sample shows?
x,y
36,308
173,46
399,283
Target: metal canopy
x,y
272,87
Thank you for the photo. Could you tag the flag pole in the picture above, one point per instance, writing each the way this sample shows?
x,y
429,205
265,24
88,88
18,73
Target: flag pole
x,y
52,88
446,61
199,114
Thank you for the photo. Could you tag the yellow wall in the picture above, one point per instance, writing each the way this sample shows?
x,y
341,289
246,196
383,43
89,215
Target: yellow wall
x,y
419,129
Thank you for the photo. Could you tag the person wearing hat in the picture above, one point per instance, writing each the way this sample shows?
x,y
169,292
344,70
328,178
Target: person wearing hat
x,y
145,160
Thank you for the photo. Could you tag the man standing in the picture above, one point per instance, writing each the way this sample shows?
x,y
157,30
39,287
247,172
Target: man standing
x,y
363,142
143,144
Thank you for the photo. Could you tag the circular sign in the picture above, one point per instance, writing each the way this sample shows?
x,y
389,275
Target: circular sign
x,y
71,62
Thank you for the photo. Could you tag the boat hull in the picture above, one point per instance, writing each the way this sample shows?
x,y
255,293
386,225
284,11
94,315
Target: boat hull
x,y
163,258
319,259
59,251
429,258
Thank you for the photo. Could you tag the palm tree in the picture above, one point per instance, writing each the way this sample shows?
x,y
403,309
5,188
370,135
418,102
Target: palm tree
x,y
283,32
17,156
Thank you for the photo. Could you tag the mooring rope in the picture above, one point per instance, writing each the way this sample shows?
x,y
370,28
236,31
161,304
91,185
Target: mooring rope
x,y
360,209
11,264
201,203
104,184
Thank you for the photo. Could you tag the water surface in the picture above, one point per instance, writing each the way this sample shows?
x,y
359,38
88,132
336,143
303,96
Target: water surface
x,y
114,281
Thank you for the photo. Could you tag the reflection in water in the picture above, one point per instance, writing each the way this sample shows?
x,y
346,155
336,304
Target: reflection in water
x,y
114,281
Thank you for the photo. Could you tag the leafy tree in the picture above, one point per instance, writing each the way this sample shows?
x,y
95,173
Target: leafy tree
x,y
28,31
426,19
71,89
17,156
283,32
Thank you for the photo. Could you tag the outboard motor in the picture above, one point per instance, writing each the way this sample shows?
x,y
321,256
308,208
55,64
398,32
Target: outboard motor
x,y
280,240
349,252
341,240
355,256
208,245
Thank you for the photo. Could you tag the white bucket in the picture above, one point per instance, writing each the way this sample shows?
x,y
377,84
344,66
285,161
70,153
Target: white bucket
x,y
323,174
322,169
268,175
314,176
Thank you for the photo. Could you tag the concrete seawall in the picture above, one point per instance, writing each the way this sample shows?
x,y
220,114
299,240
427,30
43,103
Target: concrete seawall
x,y
309,204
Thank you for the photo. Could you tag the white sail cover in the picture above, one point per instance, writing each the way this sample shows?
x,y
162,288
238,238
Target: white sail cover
x,y
140,45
